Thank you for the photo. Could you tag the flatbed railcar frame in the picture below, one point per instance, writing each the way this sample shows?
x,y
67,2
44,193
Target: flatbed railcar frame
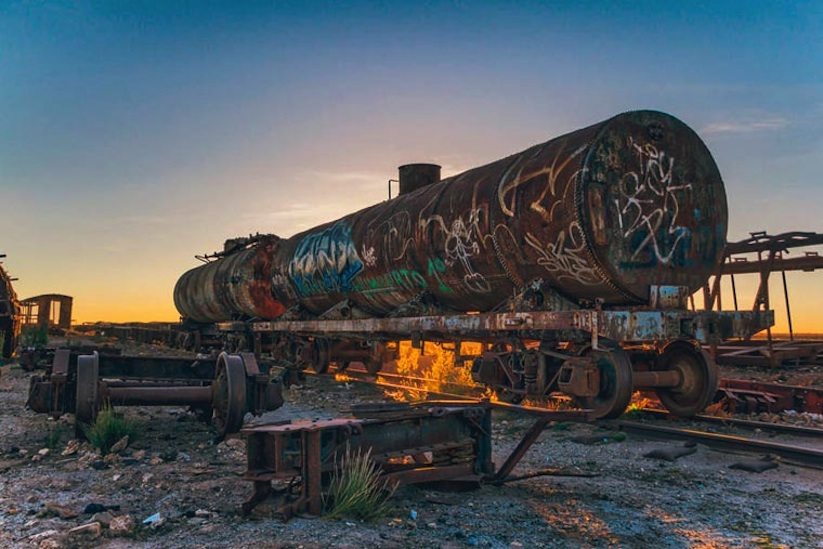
x,y
599,357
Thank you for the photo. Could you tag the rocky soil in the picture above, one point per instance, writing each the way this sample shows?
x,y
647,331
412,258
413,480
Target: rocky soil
x,y
174,487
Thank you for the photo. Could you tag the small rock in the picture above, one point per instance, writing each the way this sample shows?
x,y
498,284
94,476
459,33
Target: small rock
x,y
40,536
138,454
120,445
202,513
103,518
111,459
71,448
182,456
61,511
155,460
93,508
122,525
54,542
92,530
231,445
99,464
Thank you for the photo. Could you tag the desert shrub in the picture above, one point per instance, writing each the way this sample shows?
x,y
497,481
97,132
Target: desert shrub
x,y
53,436
108,428
357,491
35,336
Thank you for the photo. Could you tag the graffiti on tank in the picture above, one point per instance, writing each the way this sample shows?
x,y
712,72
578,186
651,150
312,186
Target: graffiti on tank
x,y
369,256
506,189
325,262
435,268
392,236
405,279
565,258
461,242
280,287
648,208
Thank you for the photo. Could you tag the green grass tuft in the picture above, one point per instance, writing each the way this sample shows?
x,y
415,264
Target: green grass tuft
x,y
53,436
108,428
356,490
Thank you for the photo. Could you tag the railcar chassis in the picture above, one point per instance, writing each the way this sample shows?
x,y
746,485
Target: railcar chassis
x,y
599,357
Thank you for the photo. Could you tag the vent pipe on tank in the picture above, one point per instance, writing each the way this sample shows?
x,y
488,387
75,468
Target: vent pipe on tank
x,y
417,176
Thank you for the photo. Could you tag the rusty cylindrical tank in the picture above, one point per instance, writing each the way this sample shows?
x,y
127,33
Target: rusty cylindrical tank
x,y
235,286
603,212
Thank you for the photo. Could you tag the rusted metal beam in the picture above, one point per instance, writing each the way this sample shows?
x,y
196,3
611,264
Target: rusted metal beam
x,y
762,242
755,396
622,325
805,263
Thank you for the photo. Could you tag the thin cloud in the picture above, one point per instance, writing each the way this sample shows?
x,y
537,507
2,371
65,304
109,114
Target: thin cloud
x,y
747,126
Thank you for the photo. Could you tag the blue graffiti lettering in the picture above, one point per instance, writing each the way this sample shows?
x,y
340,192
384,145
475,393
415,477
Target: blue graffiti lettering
x,y
325,262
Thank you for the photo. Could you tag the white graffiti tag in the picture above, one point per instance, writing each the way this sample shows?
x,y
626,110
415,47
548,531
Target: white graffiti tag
x,y
506,194
461,243
648,205
565,258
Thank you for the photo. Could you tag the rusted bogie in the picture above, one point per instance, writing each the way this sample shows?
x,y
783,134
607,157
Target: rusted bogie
x,y
228,387
602,380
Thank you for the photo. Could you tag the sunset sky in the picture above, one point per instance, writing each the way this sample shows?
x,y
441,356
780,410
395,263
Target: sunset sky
x,y
134,135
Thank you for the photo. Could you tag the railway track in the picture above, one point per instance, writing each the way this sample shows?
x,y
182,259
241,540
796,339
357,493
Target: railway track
x,y
648,428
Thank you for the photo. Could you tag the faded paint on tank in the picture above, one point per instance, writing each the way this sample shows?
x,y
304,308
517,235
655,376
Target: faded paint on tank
x,y
604,212
236,286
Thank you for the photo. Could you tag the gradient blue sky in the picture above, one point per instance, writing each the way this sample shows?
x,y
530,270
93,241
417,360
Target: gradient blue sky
x,y
136,134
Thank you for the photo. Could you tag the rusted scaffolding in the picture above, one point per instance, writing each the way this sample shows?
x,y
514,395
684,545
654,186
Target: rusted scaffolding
x,y
765,254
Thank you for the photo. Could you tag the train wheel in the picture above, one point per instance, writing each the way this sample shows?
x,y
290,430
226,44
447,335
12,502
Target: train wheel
x,y
228,394
616,386
85,409
699,379
321,356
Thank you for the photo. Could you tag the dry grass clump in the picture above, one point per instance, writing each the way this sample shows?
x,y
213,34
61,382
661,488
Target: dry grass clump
x,y
109,428
357,491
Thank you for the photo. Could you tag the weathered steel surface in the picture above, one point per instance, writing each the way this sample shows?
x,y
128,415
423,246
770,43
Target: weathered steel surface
x,y
604,212
620,325
457,439
9,314
236,285
756,396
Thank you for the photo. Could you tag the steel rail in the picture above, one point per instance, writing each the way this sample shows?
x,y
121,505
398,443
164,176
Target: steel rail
x,y
781,428
797,455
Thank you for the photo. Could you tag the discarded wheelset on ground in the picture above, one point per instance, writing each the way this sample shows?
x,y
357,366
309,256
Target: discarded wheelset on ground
x,y
225,388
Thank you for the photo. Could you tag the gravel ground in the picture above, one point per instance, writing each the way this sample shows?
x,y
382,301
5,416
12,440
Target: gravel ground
x,y
176,470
